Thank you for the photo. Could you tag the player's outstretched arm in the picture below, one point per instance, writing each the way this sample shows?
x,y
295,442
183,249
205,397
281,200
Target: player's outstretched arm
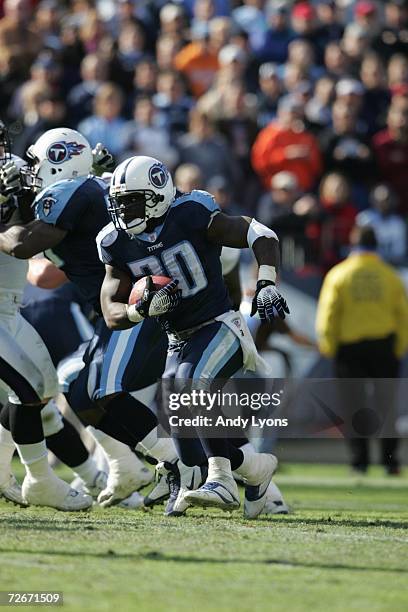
x,y
115,292
25,241
242,232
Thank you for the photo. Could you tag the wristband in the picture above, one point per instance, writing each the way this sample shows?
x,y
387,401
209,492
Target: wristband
x,y
267,273
133,314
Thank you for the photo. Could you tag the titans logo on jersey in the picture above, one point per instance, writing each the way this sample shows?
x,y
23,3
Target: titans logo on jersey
x,y
77,206
179,249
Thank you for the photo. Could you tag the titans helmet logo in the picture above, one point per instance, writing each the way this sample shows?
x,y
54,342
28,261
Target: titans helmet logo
x,y
158,176
60,152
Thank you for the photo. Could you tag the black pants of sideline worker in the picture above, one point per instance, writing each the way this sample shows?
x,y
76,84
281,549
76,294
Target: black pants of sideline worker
x,y
369,359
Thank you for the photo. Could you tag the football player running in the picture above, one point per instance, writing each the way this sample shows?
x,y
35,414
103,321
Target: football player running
x,y
70,210
158,232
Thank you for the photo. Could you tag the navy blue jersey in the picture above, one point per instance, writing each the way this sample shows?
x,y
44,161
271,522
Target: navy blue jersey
x,y
77,206
59,316
179,249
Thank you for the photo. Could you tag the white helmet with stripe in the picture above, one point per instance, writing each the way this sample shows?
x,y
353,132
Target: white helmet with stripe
x,y
141,189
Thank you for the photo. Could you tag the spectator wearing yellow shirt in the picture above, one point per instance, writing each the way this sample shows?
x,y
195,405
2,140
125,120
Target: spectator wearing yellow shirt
x,y
362,323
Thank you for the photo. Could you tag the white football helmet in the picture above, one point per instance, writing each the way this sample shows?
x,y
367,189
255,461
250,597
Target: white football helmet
x,y
58,154
141,189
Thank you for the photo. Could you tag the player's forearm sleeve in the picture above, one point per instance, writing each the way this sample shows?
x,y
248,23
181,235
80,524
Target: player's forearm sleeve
x,y
257,230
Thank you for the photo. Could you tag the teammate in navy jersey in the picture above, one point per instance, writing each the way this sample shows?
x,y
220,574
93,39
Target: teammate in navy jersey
x,y
70,210
155,231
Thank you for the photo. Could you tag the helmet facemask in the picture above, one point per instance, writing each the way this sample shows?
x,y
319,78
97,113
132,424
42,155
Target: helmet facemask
x,y
30,172
131,211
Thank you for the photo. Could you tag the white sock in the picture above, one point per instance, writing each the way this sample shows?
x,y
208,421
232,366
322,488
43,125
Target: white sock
x,y
35,459
7,449
219,467
161,449
87,471
114,449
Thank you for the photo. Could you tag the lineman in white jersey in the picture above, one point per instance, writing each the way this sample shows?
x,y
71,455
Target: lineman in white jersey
x,y
26,366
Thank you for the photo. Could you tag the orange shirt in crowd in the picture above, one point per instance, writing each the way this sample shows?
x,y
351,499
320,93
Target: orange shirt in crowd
x,y
269,155
198,65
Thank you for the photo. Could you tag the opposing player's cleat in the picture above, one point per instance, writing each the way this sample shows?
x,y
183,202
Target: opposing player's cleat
x,y
11,491
257,478
54,493
275,503
221,493
98,485
126,475
133,502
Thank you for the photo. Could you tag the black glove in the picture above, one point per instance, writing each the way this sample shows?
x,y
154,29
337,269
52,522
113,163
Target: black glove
x,y
155,303
268,302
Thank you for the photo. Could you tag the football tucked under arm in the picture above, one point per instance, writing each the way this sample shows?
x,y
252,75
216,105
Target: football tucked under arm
x,y
153,296
124,305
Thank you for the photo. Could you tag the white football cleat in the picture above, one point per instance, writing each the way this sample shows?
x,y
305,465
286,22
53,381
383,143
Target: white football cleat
x,y
257,482
221,493
191,478
275,503
126,475
98,485
11,491
54,493
133,502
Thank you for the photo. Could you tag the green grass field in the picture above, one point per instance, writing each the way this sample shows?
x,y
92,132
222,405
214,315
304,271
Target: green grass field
x,y
344,547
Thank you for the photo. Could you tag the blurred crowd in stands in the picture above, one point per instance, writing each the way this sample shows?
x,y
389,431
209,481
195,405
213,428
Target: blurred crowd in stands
x,y
296,112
